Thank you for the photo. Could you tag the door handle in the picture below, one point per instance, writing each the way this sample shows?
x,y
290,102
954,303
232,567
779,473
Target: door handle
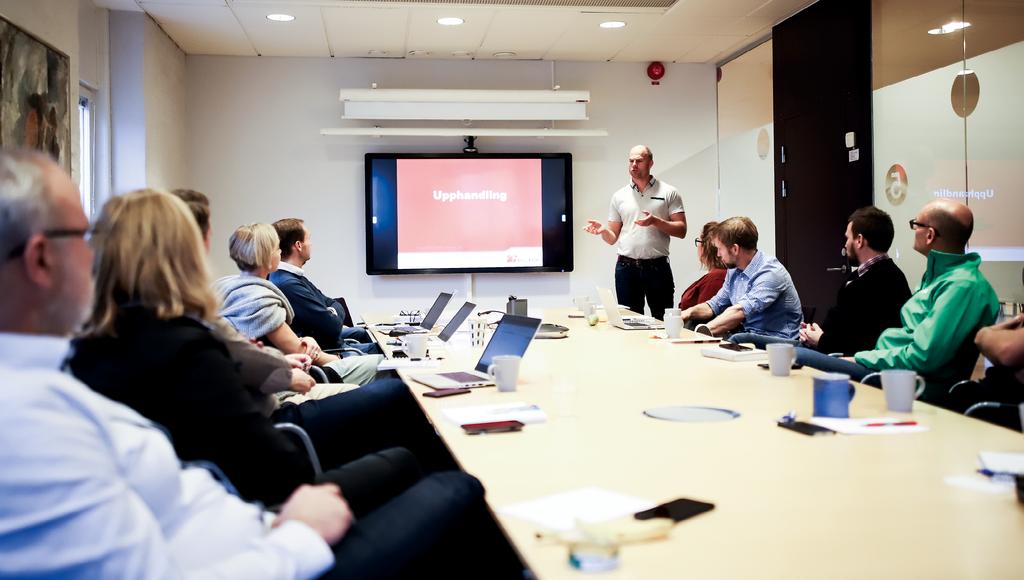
x,y
845,268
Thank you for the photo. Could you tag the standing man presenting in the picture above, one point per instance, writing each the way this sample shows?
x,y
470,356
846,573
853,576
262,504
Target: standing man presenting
x,y
642,217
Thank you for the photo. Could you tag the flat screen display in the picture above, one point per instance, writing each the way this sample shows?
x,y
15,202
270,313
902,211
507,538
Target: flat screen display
x,y
450,213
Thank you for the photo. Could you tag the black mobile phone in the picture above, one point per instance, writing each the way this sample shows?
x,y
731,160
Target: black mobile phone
x,y
796,366
445,392
806,428
492,427
733,346
677,509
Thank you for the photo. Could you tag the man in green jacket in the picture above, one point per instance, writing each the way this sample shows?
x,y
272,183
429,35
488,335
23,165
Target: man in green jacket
x,y
940,320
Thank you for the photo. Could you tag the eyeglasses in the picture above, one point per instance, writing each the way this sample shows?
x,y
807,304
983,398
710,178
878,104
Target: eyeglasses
x,y
914,224
85,233
697,241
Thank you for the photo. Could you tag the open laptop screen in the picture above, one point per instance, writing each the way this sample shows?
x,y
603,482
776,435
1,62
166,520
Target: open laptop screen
x,y
435,311
512,336
449,330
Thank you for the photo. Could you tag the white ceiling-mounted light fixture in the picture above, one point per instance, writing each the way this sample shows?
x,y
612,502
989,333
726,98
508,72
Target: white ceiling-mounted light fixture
x,y
280,17
450,21
950,27
458,105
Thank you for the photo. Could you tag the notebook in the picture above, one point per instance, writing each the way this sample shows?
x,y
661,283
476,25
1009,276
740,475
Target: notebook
x,y
513,336
611,308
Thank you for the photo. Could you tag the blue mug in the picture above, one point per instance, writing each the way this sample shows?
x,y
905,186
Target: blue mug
x,y
832,395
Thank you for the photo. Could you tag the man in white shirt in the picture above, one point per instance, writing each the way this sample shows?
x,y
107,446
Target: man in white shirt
x,y
643,216
91,489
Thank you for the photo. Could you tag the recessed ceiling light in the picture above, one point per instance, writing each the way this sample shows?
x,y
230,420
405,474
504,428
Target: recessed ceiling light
x,y
950,27
965,72
375,52
504,54
280,17
450,21
461,53
613,24
419,53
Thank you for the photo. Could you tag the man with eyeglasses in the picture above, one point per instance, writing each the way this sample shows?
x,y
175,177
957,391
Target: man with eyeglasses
x,y
941,318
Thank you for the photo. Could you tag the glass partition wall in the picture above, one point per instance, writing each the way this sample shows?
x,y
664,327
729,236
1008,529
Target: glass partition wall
x,y
947,75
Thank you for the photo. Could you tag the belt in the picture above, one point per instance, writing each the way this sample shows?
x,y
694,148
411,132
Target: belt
x,y
639,263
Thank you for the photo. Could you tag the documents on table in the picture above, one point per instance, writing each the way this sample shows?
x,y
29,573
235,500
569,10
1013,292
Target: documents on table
x,y
1002,463
406,363
870,425
512,411
734,355
561,511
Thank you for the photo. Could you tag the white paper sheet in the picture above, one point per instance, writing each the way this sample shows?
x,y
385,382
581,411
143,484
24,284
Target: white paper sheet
x,y
512,411
997,462
980,484
860,426
405,363
559,512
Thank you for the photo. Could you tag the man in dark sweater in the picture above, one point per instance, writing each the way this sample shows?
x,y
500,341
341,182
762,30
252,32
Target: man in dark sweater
x,y
316,315
870,300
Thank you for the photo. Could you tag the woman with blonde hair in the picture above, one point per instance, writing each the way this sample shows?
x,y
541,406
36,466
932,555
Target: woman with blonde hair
x,y
709,284
260,311
148,344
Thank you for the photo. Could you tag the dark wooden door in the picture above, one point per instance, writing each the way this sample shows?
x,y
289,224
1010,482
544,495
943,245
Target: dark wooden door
x,y
822,91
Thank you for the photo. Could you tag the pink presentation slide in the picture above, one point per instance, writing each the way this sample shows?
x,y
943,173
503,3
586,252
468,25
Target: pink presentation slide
x,y
469,213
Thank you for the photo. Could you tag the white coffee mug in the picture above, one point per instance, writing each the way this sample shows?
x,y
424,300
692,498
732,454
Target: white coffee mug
x,y
673,325
780,358
901,387
416,345
504,369
673,312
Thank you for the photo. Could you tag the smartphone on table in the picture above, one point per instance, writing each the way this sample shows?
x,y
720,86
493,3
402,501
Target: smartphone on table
x,y
677,509
493,427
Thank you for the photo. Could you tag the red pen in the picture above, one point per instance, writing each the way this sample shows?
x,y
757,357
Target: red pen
x,y
894,424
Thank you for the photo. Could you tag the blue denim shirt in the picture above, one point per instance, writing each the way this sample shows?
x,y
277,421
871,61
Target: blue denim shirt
x,y
766,292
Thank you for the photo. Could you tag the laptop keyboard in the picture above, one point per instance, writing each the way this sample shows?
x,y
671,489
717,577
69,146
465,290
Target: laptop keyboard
x,y
645,321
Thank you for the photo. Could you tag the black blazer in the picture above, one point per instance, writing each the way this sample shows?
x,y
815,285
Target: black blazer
x,y
175,373
866,306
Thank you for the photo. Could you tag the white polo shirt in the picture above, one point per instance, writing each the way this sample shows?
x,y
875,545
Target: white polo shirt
x,y
644,242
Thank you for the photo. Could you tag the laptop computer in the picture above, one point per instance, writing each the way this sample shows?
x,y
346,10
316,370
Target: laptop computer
x,y
611,308
428,322
449,329
513,336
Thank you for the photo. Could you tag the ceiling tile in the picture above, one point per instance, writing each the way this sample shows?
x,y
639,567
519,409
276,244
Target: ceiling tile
x,y
357,31
530,32
303,36
719,8
124,5
426,34
202,29
586,40
650,47
709,48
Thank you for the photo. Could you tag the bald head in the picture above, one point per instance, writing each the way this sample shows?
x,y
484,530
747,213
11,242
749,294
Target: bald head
x,y
953,220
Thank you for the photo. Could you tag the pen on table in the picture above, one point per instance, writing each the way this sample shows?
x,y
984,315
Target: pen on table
x,y
892,424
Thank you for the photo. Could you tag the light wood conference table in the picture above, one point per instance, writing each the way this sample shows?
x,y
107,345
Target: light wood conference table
x,y
786,505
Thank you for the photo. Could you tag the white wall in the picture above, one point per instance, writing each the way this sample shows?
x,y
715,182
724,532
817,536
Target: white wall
x,y
56,23
164,95
253,146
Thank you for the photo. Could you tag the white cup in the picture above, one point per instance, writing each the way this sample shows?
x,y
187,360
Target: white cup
x,y
477,331
673,325
673,312
504,368
780,358
416,345
901,387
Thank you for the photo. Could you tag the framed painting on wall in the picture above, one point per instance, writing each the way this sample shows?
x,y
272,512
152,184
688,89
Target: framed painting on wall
x,y
35,95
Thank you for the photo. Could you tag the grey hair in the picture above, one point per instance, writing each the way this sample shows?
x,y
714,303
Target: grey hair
x,y
25,203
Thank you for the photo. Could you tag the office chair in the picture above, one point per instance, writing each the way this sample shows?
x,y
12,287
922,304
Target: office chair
x,y
994,399
299,434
